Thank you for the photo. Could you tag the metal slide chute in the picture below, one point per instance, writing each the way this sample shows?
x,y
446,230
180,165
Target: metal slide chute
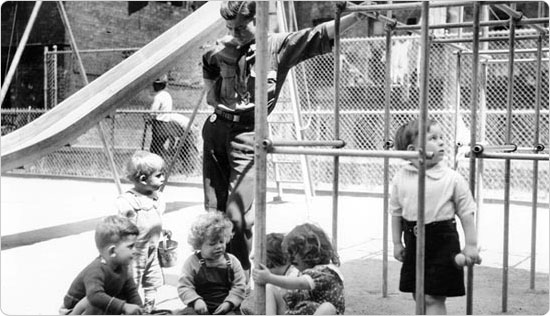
x,y
88,106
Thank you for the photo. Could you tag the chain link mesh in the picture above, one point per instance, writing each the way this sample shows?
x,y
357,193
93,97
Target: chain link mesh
x,y
361,116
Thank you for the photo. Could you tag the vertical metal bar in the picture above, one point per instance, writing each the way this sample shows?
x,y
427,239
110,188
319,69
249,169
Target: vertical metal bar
x,y
387,104
181,141
421,237
19,51
336,163
482,131
260,152
458,76
297,115
45,77
507,166
55,93
536,166
100,126
473,127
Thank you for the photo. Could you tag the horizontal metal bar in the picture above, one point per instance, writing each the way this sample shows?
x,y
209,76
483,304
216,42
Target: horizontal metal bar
x,y
403,154
484,39
504,61
404,6
479,148
453,25
296,143
506,51
537,148
511,156
102,50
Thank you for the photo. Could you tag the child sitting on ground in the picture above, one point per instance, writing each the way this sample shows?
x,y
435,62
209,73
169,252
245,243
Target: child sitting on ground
x,y
447,195
106,286
277,262
320,288
212,281
144,206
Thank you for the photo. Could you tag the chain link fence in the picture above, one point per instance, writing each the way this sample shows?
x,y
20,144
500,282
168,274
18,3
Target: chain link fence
x,y
361,114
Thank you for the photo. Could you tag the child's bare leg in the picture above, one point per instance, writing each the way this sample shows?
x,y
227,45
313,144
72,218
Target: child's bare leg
x,y
325,309
274,303
435,305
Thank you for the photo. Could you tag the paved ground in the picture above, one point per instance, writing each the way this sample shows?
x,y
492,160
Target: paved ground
x,y
47,234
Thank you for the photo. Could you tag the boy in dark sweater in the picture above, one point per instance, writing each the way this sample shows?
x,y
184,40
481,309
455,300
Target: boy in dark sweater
x,y
106,286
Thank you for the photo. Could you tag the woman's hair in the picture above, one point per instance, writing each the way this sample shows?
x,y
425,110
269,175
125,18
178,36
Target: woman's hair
x,y
159,85
211,225
312,244
275,256
229,10
407,133
112,230
143,163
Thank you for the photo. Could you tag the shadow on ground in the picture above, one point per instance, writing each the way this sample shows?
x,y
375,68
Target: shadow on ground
x,y
363,281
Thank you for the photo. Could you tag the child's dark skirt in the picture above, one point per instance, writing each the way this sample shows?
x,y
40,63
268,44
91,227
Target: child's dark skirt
x,y
441,277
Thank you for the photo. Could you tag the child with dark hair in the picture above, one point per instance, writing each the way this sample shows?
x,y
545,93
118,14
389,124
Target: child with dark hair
x,y
106,286
277,262
449,196
212,281
320,287
144,206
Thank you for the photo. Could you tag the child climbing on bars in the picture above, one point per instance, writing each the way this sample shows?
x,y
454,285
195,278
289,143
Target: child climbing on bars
x,y
212,281
447,196
320,288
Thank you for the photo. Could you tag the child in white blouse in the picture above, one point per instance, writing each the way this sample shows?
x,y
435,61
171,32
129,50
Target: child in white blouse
x,y
447,195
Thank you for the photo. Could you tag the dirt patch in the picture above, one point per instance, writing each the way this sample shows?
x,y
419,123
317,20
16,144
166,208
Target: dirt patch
x,y
363,281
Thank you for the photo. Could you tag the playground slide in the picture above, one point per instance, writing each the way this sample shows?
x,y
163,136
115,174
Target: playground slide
x,y
88,106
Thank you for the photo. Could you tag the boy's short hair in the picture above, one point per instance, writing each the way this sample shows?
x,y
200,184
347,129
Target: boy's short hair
x,y
229,10
210,225
112,230
407,133
312,244
143,163
275,256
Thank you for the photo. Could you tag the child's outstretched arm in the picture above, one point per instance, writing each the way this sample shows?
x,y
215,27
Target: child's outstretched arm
x,y
262,275
397,232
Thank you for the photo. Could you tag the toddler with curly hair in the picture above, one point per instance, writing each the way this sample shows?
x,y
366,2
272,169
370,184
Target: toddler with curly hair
x,y
212,281
320,287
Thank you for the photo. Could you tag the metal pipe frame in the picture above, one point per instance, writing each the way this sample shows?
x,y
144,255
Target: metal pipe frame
x,y
479,148
507,166
260,152
484,39
101,50
539,147
410,5
100,125
402,154
298,143
336,160
504,51
505,61
424,72
519,16
473,125
386,188
509,156
470,24
19,52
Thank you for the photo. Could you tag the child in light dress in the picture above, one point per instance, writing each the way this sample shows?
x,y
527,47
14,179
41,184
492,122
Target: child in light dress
x,y
320,287
447,196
